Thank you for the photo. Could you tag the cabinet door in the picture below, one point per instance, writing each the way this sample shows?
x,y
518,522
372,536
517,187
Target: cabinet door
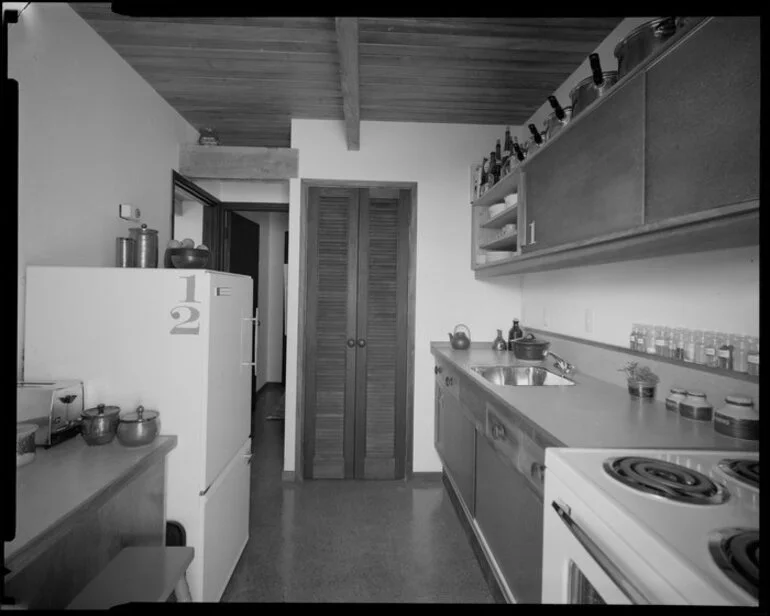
x,y
590,181
457,436
702,125
510,517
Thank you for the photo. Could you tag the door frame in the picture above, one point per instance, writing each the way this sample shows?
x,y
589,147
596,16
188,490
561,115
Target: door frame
x,y
305,185
225,213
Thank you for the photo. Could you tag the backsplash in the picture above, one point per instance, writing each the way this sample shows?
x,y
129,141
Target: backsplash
x,y
603,364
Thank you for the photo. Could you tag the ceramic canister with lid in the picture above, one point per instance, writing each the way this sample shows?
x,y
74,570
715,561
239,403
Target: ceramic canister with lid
x,y
695,406
675,397
738,418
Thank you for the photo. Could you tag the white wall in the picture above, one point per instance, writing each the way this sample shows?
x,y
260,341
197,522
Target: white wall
x,y
188,221
715,290
92,134
438,158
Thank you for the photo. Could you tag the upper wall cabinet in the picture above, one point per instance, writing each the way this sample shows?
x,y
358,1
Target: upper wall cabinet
x,y
666,163
702,129
590,183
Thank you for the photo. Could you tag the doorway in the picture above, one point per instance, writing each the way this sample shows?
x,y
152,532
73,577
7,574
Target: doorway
x,y
251,244
356,330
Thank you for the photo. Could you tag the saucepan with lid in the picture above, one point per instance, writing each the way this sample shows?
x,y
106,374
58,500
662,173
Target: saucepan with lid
x,y
644,40
530,348
99,424
556,120
593,87
138,428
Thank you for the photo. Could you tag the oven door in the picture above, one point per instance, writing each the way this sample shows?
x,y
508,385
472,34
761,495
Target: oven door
x,y
584,561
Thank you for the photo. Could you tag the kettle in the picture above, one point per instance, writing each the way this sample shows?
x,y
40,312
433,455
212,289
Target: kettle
x,y
461,338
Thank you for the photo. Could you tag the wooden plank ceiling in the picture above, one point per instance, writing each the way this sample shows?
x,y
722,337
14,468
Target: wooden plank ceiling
x,y
247,77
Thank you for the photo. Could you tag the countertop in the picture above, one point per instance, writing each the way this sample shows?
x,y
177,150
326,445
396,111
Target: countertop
x,y
66,478
591,413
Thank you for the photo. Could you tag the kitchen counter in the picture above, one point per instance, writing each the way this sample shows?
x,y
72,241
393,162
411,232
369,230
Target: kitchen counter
x,y
591,413
66,480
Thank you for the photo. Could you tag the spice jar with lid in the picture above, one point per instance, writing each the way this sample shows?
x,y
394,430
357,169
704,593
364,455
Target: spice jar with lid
x,y
699,346
725,352
738,418
695,406
752,357
740,353
710,349
675,398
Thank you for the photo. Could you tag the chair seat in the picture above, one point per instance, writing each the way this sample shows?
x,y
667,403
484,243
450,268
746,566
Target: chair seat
x,y
143,574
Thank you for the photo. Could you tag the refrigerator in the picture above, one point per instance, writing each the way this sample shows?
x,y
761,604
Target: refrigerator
x,y
173,340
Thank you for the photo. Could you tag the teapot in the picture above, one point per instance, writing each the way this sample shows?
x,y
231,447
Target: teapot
x,y
461,339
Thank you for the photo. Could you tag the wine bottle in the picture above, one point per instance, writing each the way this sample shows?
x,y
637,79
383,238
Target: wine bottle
x,y
498,154
492,176
508,145
517,149
536,134
484,170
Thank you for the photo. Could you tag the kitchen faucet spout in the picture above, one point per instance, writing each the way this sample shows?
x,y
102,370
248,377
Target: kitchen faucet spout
x,y
561,364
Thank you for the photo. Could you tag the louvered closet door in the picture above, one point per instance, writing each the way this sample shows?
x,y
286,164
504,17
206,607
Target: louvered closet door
x,y
382,325
330,324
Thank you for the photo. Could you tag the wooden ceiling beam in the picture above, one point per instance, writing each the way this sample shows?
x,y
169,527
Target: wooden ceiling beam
x,y
347,43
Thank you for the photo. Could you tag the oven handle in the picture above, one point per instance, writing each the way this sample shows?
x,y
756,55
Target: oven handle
x,y
615,574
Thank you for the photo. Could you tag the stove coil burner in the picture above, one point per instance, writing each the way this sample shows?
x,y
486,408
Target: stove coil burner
x,y
666,480
745,471
736,552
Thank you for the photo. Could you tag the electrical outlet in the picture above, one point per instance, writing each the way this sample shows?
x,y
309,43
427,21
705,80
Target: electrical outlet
x,y
128,212
589,320
545,317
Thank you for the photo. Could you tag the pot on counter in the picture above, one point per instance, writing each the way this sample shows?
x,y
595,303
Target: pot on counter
x,y
138,428
641,42
530,348
100,424
593,87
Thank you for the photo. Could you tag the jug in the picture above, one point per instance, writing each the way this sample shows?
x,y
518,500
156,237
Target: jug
x,y
461,339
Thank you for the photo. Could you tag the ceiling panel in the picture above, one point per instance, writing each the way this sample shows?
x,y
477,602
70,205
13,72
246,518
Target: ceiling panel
x,y
247,77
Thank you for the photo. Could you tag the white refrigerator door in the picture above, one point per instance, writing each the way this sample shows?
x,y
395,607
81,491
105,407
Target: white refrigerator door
x,y
230,338
225,514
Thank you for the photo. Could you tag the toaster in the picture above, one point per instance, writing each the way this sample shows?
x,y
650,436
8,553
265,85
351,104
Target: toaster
x,y
54,406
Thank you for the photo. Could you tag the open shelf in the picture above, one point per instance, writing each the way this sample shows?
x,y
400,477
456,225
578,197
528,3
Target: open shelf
x,y
507,216
507,185
507,243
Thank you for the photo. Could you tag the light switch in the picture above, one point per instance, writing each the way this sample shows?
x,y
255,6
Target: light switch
x,y
128,212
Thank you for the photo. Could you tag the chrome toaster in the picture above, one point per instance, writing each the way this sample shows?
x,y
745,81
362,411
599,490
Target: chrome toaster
x,y
53,405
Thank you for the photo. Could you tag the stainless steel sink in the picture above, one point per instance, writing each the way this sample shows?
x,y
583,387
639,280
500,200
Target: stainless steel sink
x,y
521,376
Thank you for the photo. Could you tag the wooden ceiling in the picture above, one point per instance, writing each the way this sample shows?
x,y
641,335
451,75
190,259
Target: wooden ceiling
x,y
247,77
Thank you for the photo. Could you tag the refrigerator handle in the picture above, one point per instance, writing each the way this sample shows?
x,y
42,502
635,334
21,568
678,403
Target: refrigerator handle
x,y
248,363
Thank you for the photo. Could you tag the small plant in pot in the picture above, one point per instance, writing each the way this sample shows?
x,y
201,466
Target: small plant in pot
x,y
641,380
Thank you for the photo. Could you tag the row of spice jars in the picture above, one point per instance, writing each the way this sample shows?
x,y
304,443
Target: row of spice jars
x,y
738,418
739,353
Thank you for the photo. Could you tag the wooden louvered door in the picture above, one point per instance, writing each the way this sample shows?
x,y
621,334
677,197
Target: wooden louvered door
x,y
356,333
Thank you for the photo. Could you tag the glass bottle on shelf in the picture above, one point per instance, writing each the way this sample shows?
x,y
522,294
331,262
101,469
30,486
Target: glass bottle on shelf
x,y
661,346
700,347
507,145
689,346
740,353
752,358
498,155
491,180
710,348
649,340
517,150
679,344
484,170
634,335
725,351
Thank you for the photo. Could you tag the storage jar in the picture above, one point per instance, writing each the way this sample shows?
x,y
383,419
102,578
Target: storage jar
x,y
738,418
695,406
675,398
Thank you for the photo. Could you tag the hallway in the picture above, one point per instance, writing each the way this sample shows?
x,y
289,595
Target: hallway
x,y
348,541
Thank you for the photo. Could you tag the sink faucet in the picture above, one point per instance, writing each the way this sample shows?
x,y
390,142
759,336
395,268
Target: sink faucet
x,y
561,364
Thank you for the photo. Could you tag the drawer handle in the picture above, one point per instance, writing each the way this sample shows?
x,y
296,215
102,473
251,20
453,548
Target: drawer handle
x,y
536,472
449,381
498,432
532,232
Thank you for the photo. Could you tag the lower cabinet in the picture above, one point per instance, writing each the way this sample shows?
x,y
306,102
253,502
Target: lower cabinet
x,y
510,517
455,443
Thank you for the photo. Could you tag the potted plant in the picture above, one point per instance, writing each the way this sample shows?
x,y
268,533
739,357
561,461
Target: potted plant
x,y
641,380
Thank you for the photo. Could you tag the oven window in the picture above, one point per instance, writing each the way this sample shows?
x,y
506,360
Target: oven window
x,y
581,590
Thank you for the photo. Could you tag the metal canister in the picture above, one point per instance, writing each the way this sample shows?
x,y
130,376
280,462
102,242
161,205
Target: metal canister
x,y
695,406
126,252
146,246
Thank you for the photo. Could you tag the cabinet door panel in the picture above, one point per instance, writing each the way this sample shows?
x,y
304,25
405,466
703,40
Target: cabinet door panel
x,y
511,518
590,181
458,447
702,125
